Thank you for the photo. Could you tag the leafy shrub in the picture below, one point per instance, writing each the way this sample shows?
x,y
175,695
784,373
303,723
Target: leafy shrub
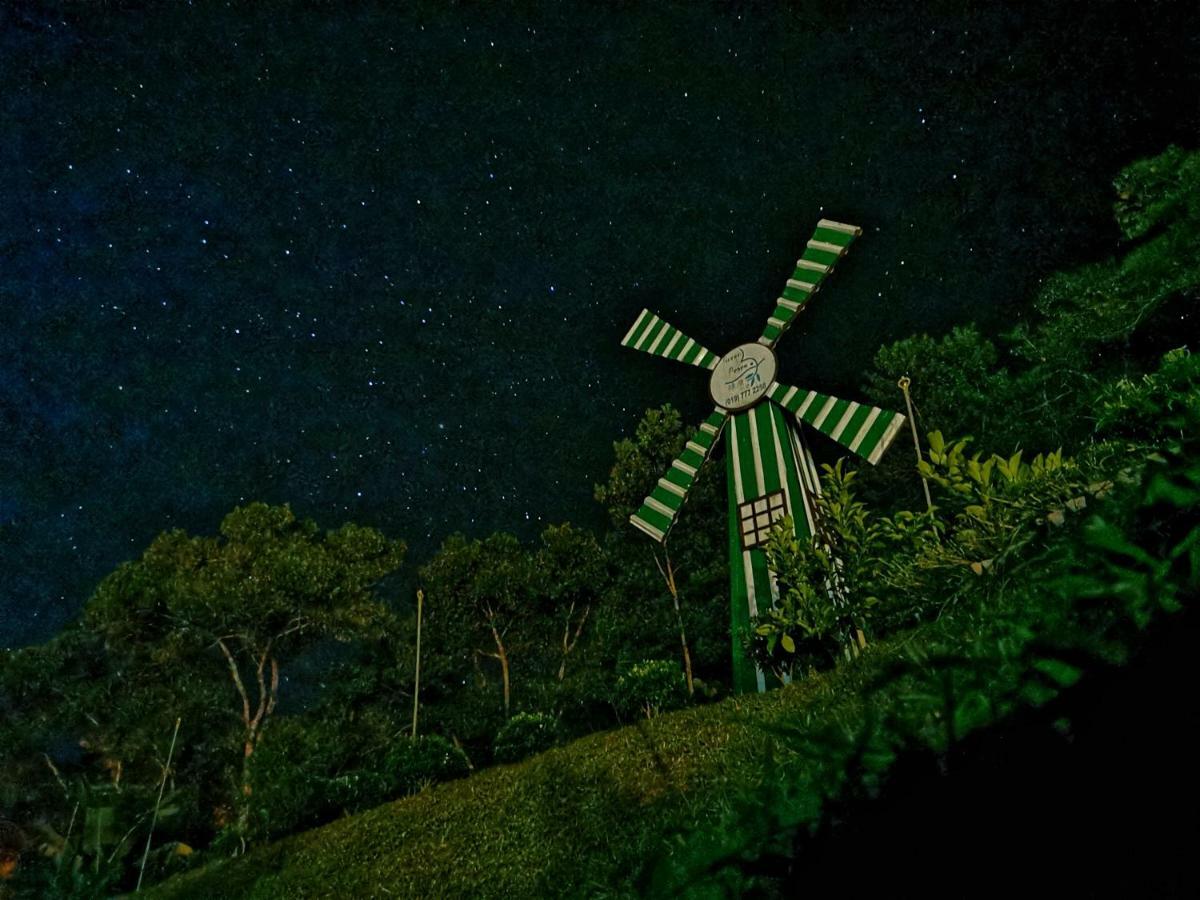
x,y
287,779
826,587
356,790
411,764
889,572
650,687
1143,410
303,773
524,735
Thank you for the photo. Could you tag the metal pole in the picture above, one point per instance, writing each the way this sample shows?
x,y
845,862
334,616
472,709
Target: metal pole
x,y
154,820
417,678
903,384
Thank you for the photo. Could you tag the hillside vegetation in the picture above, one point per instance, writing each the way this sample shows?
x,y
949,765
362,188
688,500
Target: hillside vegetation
x,y
1060,553
682,801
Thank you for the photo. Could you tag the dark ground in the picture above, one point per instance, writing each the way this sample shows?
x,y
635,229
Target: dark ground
x,y
1092,796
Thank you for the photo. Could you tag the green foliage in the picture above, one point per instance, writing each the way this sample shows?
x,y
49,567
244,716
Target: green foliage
x,y
640,461
1145,562
199,627
1097,324
1100,321
571,571
480,601
699,800
956,386
1149,409
1083,603
413,764
989,514
826,586
1155,192
651,687
268,577
524,735
309,770
570,565
867,570
637,620
289,776
990,509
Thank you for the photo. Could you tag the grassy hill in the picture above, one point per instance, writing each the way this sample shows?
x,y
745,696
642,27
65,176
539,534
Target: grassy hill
x,y
583,818
665,804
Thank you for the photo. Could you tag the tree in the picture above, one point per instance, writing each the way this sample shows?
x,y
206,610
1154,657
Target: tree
x,y
570,570
955,383
692,565
479,592
266,589
640,461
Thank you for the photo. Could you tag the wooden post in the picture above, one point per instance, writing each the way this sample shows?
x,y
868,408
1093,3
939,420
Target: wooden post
x,y
154,820
903,384
417,677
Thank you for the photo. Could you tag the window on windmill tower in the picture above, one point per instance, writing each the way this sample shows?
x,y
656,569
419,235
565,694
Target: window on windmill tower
x,y
758,516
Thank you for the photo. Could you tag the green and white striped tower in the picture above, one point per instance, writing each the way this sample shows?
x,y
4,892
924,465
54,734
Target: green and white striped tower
x,y
770,471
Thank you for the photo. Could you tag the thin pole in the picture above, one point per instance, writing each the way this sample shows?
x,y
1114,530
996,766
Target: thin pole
x,y
417,677
903,384
154,820
668,575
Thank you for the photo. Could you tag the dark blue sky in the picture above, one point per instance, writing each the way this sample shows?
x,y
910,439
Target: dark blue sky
x,y
377,263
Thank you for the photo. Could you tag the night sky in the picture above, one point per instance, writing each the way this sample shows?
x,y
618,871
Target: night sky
x,y
376,262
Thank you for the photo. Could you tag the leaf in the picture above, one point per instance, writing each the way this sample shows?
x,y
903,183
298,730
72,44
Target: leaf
x,y
1107,536
1162,490
1063,673
974,469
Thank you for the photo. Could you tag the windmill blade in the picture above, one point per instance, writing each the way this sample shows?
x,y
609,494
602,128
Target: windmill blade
x,y
653,335
865,430
828,244
660,509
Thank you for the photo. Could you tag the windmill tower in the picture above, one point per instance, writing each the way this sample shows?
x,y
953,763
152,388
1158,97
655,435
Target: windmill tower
x,y
769,469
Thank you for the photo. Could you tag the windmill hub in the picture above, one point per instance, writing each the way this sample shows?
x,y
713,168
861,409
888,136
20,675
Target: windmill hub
x,y
742,376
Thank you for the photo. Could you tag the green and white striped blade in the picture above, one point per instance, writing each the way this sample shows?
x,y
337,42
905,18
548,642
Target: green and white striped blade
x,y
661,508
829,243
653,335
865,430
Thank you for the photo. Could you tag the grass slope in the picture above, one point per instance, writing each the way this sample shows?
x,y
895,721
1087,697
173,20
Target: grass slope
x,y
582,818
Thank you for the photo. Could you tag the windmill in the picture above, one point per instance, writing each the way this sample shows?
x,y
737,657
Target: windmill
x,y
769,469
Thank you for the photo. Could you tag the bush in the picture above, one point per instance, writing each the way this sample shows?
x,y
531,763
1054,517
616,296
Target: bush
x,y
287,777
651,687
524,735
414,763
356,790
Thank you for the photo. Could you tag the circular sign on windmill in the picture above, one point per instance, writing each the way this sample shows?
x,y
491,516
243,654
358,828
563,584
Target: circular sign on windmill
x,y
742,376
